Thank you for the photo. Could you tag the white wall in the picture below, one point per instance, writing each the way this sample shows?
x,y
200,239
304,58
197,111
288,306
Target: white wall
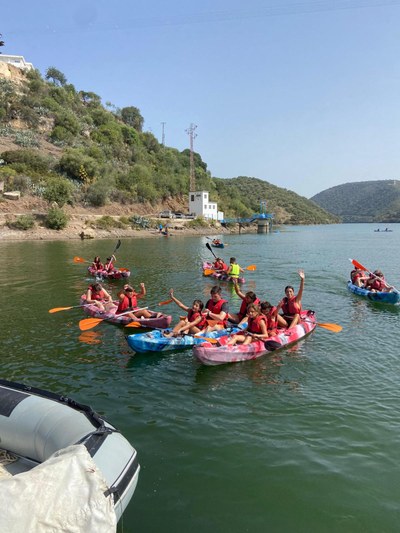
x,y
200,205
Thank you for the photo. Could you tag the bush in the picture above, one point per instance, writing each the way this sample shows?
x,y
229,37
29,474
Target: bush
x,y
108,222
23,222
58,190
198,222
56,219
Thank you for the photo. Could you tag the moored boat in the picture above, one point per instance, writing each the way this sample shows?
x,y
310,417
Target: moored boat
x,y
155,341
64,463
221,276
116,274
222,353
159,320
392,297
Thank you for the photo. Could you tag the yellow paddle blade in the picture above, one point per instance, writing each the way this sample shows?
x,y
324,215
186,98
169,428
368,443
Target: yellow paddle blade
x,y
166,302
89,323
133,325
251,267
57,309
208,272
123,269
79,260
331,327
209,339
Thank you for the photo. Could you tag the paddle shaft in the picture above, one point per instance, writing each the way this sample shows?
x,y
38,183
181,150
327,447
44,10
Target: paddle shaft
x,y
89,323
209,247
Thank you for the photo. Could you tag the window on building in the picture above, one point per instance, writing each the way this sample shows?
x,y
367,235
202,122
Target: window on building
x,y
192,197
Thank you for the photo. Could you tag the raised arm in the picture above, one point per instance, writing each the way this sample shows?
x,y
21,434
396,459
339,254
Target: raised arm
x,y
301,288
178,303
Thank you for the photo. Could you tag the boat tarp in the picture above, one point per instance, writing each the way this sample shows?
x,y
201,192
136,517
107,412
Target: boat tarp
x,y
63,494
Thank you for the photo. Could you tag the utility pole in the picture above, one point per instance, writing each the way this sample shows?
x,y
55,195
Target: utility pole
x,y
192,135
163,134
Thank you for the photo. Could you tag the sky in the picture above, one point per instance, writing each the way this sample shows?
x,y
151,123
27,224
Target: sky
x,y
302,94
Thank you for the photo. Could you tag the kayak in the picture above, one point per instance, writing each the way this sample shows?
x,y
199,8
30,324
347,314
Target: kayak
x,y
162,321
220,245
221,353
155,341
392,297
221,276
63,466
116,274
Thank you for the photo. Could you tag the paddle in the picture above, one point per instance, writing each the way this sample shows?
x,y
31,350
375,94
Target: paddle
x,y
361,267
58,309
89,323
209,247
335,328
116,247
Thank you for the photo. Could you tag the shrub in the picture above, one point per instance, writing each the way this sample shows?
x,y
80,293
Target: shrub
x,y
97,194
23,222
58,190
198,222
108,222
56,218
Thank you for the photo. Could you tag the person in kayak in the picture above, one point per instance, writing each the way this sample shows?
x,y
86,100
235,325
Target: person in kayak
x,y
376,282
219,265
291,303
234,269
97,265
217,310
193,323
256,329
109,265
128,298
358,277
273,319
97,295
248,298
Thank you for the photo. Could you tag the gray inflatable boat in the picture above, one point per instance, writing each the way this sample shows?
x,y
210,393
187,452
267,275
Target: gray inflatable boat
x,y
36,425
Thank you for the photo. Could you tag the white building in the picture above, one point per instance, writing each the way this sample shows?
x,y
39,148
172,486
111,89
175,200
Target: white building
x,y
16,61
200,205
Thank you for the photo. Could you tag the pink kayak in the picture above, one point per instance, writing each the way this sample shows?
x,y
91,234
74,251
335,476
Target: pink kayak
x,y
161,321
118,273
221,276
221,353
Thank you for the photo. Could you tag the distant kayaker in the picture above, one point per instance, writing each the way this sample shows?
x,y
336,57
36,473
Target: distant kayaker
x,y
109,265
97,265
291,304
217,310
234,269
220,265
193,323
256,329
248,298
98,296
128,298
358,277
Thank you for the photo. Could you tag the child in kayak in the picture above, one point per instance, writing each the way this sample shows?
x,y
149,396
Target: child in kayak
x,y
248,298
272,318
128,298
358,277
219,265
234,269
291,303
256,329
193,323
109,265
217,310
376,282
97,265
98,296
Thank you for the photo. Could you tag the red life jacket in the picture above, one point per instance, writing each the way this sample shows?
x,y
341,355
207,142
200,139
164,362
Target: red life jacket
x,y
290,307
254,324
109,267
217,308
243,308
97,266
99,296
191,316
125,304
271,319
377,284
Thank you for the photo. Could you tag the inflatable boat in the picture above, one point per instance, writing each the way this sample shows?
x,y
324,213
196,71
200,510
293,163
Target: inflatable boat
x,y
60,461
159,320
221,352
392,297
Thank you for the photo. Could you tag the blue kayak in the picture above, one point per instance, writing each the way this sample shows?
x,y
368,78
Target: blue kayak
x,y
392,297
155,341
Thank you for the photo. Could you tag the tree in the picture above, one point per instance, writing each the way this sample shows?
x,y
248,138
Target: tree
x,y
56,76
132,117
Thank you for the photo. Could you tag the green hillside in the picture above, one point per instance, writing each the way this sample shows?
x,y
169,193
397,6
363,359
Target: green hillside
x,y
363,201
63,144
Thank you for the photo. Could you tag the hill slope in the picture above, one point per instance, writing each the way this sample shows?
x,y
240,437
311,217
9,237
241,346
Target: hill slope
x,y
63,145
363,201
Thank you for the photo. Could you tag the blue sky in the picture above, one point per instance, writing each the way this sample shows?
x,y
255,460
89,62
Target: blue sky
x,y
303,94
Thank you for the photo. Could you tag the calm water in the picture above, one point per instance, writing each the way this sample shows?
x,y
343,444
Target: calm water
x,y
307,441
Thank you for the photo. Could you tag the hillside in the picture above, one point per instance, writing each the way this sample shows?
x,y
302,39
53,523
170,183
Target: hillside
x,y
62,145
363,201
